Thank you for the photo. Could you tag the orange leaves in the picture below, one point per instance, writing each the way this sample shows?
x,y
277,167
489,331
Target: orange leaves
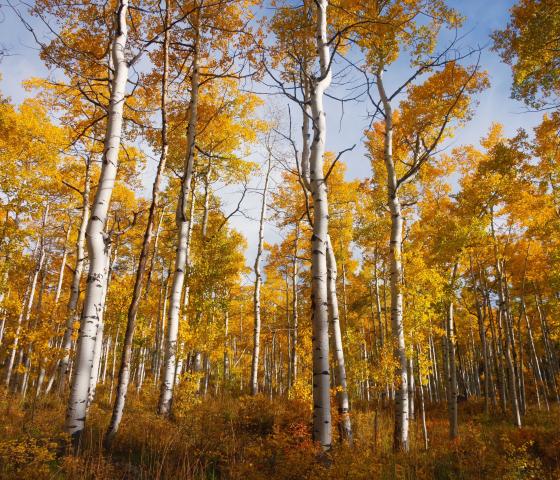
x,y
445,97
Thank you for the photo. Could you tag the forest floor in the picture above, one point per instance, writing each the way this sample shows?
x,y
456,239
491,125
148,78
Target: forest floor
x,y
259,438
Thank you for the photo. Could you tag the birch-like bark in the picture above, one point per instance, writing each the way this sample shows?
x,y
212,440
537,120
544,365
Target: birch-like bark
x,y
503,314
94,376
400,437
28,297
378,302
422,405
114,362
183,221
226,349
411,388
58,291
124,369
257,287
155,252
72,315
322,424
32,326
550,355
452,366
15,341
62,266
294,357
96,236
536,363
483,345
345,426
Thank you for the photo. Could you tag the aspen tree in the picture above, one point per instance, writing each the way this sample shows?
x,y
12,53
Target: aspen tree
x,y
322,425
96,237
342,387
71,311
183,226
124,369
258,281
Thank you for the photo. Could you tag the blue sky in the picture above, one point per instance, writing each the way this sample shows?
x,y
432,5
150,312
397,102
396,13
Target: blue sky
x,y
495,105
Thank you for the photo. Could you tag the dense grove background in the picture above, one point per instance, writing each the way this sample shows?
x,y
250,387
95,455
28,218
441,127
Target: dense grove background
x,y
211,319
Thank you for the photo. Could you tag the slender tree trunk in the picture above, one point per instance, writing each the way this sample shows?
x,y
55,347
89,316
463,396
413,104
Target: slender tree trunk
x,y
72,315
411,390
114,363
293,356
62,266
257,287
451,373
124,369
400,438
536,363
226,349
94,376
96,237
345,426
25,313
503,314
322,424
452,366
483,346
183,221
422,406
550,357
156,241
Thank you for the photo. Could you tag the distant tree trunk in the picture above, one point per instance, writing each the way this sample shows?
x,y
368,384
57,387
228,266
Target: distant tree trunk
x,y
551,360
72,315
99,336
257,287
345,426
25,313
183,221
452,366
422,405
293,356
155,252
536,363
483,346
411,390
504,314
124,370
114,362
62,266
226,348
96,236
378,302
400,437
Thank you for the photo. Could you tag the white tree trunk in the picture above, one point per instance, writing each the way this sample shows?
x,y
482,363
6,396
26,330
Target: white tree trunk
x,y
295,317
257,288
452,366
345,425
182,219
94,376
28,297
400,440
71,312
124,370
322,424
96,236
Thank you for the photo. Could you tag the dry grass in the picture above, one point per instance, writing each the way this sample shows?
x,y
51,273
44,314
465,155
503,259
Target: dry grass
x,y
255,438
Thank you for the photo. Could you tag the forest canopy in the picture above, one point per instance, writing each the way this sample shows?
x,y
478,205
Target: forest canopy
x,y
280,239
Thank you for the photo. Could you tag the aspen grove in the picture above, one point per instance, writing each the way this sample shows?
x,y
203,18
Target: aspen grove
x,y
281,239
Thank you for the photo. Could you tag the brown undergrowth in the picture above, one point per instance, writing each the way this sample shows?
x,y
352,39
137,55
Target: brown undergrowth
x,y
258,438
